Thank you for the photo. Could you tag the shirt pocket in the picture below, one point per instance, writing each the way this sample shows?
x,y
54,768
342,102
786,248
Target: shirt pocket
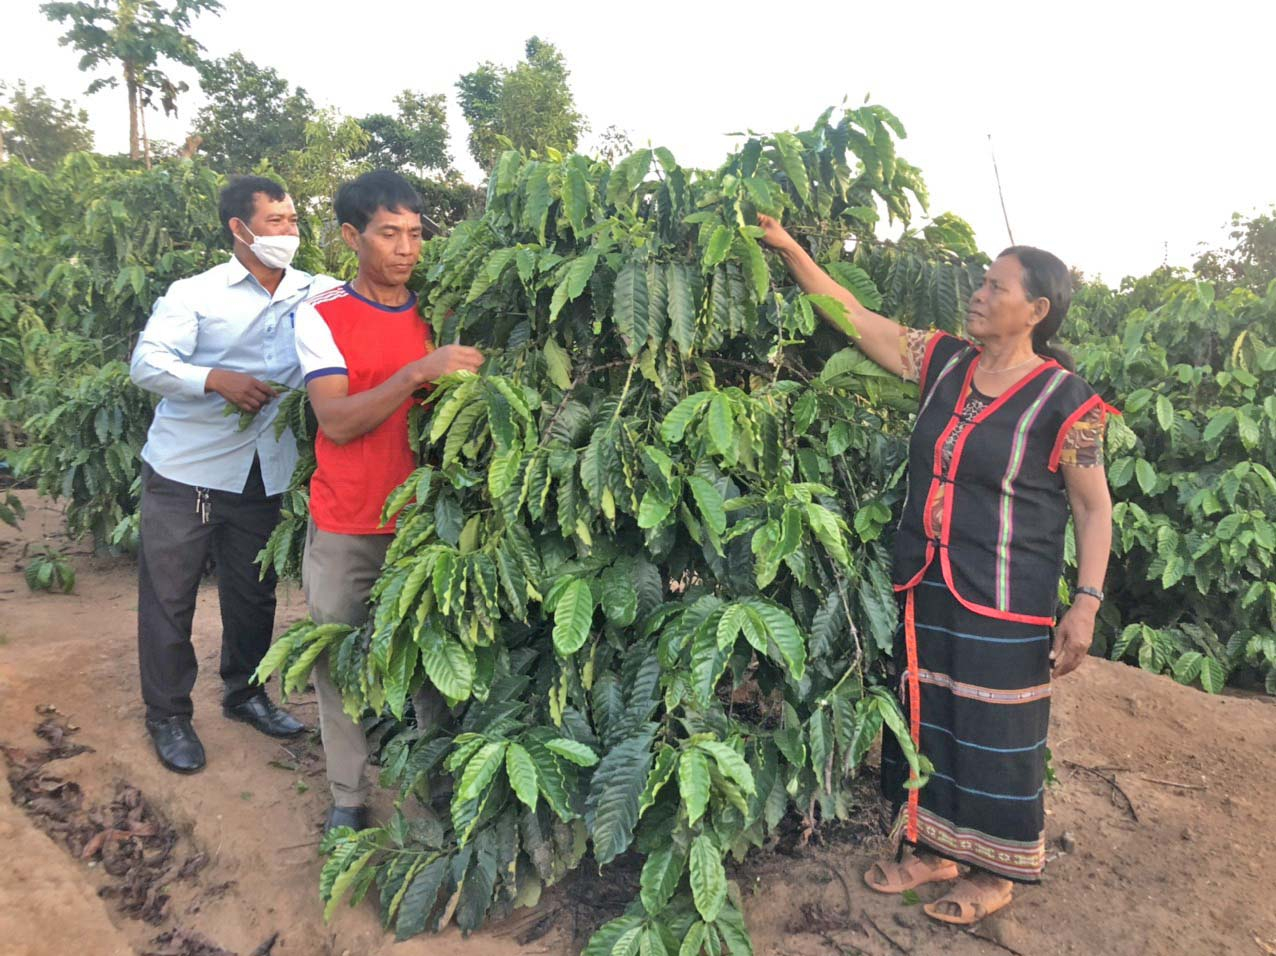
x,y
283,345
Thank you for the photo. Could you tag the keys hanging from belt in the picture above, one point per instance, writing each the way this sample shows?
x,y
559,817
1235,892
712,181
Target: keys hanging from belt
x,y
203,505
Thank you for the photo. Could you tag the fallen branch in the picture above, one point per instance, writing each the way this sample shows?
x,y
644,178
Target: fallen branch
x,y
881,932
996,942
298,846
266,948
1171,783
1111,781
845,887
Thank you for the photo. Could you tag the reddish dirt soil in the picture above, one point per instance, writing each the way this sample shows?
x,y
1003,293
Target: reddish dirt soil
x,y
1164,802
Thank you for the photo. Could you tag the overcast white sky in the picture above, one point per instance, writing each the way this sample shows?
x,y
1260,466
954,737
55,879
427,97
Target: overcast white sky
x,y
1126,132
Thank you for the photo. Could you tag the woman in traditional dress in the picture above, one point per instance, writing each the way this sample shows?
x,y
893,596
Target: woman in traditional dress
x,y
1006,439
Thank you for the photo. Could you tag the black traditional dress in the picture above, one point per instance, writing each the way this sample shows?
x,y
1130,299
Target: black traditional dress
x,y
978,558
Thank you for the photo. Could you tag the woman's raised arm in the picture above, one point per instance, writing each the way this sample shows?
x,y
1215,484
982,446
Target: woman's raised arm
x,y
879,336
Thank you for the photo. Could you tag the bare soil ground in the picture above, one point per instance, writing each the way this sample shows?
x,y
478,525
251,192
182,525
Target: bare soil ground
x,y
1161,829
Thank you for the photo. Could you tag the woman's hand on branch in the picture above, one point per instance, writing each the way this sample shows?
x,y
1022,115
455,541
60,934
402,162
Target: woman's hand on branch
x,y
1072,638
876,336
774,235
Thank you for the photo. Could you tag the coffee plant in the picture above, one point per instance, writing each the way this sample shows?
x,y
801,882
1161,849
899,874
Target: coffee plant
x,y
283,550
1192,464
84,429
85,252
12,511
50,571
643,555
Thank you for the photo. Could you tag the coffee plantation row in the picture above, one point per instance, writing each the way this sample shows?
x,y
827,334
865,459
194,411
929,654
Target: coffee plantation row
x,y
645,553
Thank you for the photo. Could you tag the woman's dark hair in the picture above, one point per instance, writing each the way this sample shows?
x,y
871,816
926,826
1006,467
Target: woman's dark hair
x,y
358,200
1046,277
238,199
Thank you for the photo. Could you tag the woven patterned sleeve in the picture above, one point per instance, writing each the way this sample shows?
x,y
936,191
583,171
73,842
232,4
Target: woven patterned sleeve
x,y
912,350
1083,445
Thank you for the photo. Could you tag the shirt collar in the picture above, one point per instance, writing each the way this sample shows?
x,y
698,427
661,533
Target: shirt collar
x,y
294,280
235,271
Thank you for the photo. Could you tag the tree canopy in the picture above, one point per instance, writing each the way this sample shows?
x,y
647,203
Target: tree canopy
x,y
252,114
414,139
40,130
529,106
137,35
1250,260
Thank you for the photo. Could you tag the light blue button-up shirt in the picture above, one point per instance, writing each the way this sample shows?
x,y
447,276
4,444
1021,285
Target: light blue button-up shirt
x,y
220,319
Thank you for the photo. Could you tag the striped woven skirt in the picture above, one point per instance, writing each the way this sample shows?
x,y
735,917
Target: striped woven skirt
x,y
976,691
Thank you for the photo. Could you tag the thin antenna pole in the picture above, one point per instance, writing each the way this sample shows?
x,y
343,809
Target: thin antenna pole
x,y
1001,196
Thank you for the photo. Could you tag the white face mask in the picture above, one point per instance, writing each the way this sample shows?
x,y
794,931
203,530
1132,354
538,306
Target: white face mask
x,y
274,252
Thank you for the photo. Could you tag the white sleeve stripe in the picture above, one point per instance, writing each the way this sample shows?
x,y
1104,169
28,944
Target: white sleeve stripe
x,y
328,296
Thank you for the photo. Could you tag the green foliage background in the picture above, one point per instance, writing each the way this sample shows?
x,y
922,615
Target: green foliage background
x,y
84,253
1191,464
644,555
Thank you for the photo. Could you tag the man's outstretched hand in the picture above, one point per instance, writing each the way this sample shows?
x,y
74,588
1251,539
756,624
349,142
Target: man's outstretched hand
x,y
445,361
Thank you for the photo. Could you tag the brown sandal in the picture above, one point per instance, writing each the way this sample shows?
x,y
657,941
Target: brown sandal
x,y
973,903
910,873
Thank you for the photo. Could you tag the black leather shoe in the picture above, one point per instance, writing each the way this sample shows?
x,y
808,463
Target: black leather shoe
x,y
354,817
176,744
260,712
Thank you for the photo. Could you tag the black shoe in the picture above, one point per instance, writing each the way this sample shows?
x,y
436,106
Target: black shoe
x,y
176,744
354,817
260,712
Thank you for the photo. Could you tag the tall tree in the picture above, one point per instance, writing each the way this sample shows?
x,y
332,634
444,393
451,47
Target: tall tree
x,y
415,139
39,130
480,96
133,36
1250,261
530,105
252,115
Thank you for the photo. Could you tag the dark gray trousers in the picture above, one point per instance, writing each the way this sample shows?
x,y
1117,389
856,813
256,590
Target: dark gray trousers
x,y
179,530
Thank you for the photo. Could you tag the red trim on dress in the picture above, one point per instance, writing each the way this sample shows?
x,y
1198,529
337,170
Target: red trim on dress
x,y
1000,399
944,562
930,547
930,350
993,612
914,705
1090,403
928,525
913,682
916,579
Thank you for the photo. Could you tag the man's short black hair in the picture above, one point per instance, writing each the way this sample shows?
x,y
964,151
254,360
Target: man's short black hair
x,y
239,197
358,200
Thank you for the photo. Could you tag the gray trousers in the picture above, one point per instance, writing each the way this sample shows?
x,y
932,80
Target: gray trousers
x,y
180,526
337,574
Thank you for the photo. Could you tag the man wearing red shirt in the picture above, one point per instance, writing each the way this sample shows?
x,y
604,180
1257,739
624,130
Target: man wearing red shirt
x,y
364,351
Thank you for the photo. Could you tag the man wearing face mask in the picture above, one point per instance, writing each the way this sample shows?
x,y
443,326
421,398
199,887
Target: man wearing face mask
x,y
221,337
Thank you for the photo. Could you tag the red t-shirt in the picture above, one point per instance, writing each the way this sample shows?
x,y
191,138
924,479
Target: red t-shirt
x,y
341,333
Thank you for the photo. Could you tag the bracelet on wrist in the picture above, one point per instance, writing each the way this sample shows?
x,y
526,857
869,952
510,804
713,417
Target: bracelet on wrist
x,y
1088,592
